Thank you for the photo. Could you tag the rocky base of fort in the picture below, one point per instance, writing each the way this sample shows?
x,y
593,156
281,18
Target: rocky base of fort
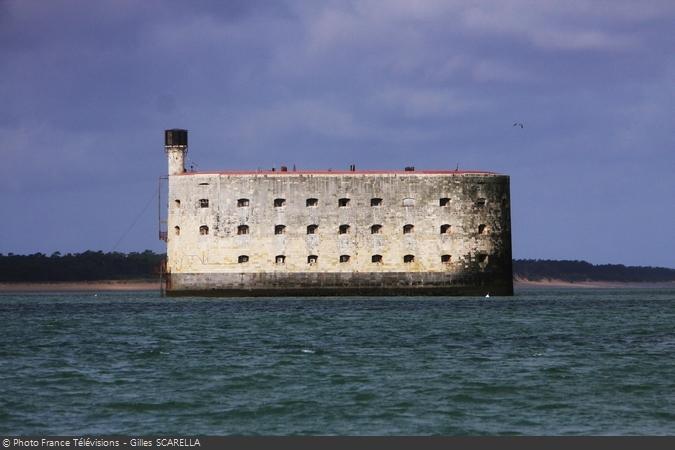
x,y
338,284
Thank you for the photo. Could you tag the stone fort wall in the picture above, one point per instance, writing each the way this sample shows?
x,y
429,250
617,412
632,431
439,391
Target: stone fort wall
x,y
323,233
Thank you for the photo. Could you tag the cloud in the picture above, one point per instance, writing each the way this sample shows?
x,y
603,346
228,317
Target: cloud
x,y
421,102
563,25
46,156
87,90
583,40
299,116
551,25
492,70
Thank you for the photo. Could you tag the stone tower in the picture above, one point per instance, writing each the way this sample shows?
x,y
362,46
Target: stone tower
x,y
175,146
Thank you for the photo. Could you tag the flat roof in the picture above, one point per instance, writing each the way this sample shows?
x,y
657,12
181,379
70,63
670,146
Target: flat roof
x,y
343,172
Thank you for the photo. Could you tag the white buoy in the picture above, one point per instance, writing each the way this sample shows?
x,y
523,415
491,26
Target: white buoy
x,y
487,295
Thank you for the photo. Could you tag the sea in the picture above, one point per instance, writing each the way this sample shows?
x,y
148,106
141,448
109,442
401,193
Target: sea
x,y
563,361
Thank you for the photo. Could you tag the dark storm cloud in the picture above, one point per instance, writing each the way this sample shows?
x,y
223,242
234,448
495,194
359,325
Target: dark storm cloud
x,y
88,87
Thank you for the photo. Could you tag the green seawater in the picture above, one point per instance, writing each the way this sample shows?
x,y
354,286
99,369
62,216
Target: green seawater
x,y
544,362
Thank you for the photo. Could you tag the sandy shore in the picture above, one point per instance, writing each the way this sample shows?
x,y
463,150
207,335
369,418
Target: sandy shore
x,y
102,285
519,282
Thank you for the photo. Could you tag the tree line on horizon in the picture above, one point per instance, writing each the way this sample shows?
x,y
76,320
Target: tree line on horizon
x,y
86,266
573,270
97,265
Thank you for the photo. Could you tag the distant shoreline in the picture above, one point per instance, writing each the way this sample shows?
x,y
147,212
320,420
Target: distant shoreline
x,y
153,285
548,283
84,286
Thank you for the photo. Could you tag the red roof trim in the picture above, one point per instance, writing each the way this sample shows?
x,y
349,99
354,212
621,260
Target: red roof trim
x,y
344,172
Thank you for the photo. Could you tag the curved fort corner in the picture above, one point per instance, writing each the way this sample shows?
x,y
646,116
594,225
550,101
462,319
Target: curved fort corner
x,y
306,233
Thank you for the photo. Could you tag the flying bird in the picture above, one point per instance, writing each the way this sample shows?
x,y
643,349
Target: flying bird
x,y
518,124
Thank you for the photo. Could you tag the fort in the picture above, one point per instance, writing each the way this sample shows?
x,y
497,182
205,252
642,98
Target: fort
x,y
317,233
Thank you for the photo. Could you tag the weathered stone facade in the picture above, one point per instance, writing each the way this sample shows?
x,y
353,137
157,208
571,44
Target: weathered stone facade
x,y
337,233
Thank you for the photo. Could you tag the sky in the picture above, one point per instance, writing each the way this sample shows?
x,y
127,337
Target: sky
x,y
87,89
